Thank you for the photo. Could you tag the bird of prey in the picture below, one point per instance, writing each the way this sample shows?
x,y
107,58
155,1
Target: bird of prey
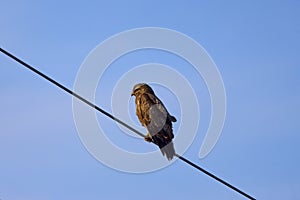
x,y
154,116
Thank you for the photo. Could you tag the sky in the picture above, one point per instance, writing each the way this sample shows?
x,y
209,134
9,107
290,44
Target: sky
x,y
254,44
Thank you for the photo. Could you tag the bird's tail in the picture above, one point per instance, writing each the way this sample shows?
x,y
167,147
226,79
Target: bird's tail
x,y
168,150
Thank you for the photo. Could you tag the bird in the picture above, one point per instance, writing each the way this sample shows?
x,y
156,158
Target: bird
x,y
153,115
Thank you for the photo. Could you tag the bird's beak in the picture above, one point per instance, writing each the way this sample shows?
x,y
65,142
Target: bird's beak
x,y
132,94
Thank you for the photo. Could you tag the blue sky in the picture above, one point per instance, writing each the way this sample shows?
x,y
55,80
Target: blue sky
x,y
255,45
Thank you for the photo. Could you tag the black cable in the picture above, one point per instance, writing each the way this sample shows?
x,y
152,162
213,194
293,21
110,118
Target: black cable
x,y
118,120
214,177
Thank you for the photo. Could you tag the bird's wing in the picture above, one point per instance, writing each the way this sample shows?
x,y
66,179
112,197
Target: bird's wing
x,y
155,115
158,122
161,107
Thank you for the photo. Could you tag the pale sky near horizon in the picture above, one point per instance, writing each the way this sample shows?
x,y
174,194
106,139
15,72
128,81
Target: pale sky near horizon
x,y
255,45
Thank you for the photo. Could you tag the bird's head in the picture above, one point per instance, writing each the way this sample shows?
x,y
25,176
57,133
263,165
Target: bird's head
x,y
141,88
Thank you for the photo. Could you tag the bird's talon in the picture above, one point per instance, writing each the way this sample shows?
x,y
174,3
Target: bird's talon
x,y
148,138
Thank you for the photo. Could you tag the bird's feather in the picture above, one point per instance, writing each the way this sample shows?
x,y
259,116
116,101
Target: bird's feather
x,y
154,116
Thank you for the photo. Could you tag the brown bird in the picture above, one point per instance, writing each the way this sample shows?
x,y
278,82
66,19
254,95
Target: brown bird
x,y
154,116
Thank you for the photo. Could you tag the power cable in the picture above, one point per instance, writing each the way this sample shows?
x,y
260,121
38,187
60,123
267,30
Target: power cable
x,y
119,121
